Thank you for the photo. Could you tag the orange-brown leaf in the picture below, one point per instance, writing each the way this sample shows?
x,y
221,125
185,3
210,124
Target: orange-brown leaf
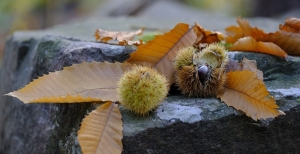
x,y
244,91
287,41
233,34
255,32
250,44
118,38
85,82
101,131
207,36
293,22
287,38
288,28
161,51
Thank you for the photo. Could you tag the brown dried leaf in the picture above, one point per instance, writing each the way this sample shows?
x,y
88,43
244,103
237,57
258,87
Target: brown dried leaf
x,y
161,51
252,66
246,64
85,82
287,41
233,34
207,36
101,131
250,44
287,38
118,38
255,32
244,91
288,28
293,22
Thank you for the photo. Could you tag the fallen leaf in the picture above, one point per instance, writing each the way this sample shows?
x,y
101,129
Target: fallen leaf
x,y
245,92
207,36
288,28
101,131
250,44
118,38
287,38
291,25
287,41
233,65
252,66
254,32
161,51
293,22
85,82
233,33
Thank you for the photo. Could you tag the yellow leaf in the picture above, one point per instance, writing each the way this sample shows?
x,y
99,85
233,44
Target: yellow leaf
x,y
250,44
161,51
101,131
85,82
118,38
244,91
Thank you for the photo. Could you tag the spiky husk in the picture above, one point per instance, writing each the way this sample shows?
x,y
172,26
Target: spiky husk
x,y
190,84
141,89
184,57
214,57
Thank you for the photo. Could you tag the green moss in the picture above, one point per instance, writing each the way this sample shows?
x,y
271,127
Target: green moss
x,y
147,37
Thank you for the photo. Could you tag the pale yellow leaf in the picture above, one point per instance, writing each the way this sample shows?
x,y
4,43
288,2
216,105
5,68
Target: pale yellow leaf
x,y
244,91
161,51
85,82
101,131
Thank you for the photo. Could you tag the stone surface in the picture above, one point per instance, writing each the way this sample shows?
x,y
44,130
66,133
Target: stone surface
x,y
44,128
281,78
180,124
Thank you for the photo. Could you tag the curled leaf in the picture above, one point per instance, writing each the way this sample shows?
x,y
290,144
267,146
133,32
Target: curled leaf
x,y
288,28
207,36
287,38
287,41
254,32
293,22
233,34
101,131
244,91
118,38
250,44
85,82
161,51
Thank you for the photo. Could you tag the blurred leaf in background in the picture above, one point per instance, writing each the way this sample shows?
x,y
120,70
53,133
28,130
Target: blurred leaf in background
x,y
39,14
